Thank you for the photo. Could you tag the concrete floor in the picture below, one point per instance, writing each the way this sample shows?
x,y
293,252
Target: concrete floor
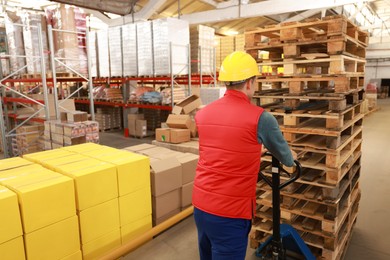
x,y
371,236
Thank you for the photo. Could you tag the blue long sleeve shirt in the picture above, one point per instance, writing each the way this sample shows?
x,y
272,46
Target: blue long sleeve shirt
x,y
269,134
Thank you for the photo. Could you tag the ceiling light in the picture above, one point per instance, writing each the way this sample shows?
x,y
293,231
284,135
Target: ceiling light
x,y
230,33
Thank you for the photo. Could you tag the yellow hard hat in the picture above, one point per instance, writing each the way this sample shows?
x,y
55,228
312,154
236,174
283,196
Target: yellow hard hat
x,y
238,66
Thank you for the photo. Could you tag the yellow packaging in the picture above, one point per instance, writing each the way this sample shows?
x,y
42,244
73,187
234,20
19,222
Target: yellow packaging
x,y
136,228
55,241
10,223
44,200
46,155
65,168
75,256
135,206
101,153
51,163
11,163
80,148
133,171
99,220
100,246
94,185
13,249
21,171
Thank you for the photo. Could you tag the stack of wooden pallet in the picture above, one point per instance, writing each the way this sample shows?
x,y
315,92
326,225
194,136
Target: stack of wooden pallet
x,y
318,104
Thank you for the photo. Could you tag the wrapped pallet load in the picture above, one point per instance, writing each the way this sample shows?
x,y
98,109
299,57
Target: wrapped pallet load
x,y
129,48
15,41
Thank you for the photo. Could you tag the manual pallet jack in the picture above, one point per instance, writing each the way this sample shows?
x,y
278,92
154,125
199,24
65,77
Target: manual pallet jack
x,y
285,242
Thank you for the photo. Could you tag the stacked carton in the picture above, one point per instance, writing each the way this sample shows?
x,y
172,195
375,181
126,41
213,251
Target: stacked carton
x,y
181,123
74,128
172,176
319,105
137,125
115,47
27,139
145,48
228,44
202,49
108,118
129,44
47,211
103,53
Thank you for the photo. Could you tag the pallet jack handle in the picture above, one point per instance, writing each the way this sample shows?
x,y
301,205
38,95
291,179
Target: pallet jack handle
x,y
277,168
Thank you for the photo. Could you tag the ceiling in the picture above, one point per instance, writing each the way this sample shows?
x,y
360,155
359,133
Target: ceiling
x,y
226,16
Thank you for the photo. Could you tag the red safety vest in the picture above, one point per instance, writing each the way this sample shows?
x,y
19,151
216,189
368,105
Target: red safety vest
x,y
229,157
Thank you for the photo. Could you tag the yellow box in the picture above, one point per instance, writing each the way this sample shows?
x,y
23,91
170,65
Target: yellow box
x,y
76,165
46,155
43,200
51,163
135,206
11,163
80,148
75,256
21,171
102,245
13,249
94,185
133,171
99,220
10,223
102,153
55,241
136,228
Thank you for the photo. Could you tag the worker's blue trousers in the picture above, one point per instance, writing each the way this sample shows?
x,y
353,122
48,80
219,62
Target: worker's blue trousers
x,y
221,238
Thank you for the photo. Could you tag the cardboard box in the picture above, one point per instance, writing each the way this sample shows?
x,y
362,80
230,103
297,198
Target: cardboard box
x,y
179,121
10,163
99,220
140,147
64,116
180,135
131,121
166,175
55,145
44,199
94,184
68,141
100,246
187,105
59,128
10,223
13,249
165,217
84,148
189,163
136,228
73,130
140,128
166,203
163,134
55,241
135,206
53,124
193,129
186,194
152,152
77,116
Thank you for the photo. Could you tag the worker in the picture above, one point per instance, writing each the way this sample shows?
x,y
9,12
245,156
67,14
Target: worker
x,y
231,134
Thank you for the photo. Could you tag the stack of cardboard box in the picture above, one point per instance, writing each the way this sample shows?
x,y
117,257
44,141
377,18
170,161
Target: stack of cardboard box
x,y
108,118
137,125
74,128
47,210
172,176
181,124
27,139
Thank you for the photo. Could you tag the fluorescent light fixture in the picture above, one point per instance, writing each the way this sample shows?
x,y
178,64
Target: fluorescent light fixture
x,y
230,33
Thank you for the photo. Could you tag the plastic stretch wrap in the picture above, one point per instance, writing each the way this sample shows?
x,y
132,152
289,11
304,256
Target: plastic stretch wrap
x,y
115,44
103,55
176,32
15,42
93,55
202,37
81,27
31,41
65,44
145,48
129,43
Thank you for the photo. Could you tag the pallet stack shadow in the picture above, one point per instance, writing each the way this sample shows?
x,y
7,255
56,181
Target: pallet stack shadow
x,y
73,128
318,102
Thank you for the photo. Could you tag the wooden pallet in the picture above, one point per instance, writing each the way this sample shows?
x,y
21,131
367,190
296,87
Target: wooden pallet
x,y
307,30
340,84
317,64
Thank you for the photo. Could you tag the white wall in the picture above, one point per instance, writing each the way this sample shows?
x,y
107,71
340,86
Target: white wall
x,y
378,59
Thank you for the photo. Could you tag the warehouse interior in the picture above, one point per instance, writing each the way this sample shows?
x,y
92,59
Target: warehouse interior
x,y
99,145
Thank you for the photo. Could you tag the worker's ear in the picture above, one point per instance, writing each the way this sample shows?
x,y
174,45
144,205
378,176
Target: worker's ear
x,y
248,84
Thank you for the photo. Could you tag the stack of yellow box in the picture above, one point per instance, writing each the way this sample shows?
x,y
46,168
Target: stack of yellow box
x,y
48,213
133,172
96,189
11,235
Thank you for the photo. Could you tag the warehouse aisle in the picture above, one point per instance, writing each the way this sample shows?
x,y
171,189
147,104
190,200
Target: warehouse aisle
x,y
371,238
